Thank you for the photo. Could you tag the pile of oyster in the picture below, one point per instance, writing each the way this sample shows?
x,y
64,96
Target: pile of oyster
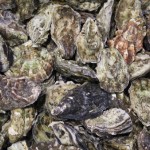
x,y
75,75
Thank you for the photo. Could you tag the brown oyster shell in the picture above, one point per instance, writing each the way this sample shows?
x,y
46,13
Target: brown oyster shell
x,y
140,66
17,92
112,122
89,42
112,71
140,99
33,62
64,29
21,145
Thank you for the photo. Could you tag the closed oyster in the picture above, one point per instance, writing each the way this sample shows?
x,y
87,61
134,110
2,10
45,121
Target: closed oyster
x,y
104,19
112,122
17,92
39,26
82,102
35,63
20,123
6,56
21,145
112,71
143,140
140,99
64,29
7,4
140,66
11,30
89,42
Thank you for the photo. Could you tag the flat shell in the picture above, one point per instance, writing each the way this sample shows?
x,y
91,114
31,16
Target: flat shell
x,y
21,145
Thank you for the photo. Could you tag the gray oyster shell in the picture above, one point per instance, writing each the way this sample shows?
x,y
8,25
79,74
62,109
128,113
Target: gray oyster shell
x,y
33,62
21,145
112,122
6,56
140,66
112,71
104,19
17,92
7,4
64,29
89,42
83,102
39,26
140,99
20,123
11,30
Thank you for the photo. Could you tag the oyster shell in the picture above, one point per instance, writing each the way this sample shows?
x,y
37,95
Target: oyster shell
x,y
7,4
6,56
140,66
20,123
64,29
21,145
17,92
35,63
39,26
11,30
112,71
112,122
89,42
140,99
82,102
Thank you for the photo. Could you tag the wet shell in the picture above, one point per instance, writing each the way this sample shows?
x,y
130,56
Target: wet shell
x,y
17,92
112,71
6,56
39,26
11,30
140,99
82,102
112,122
20,123
140,66
89,42
64,29
21,145
35,63
104,19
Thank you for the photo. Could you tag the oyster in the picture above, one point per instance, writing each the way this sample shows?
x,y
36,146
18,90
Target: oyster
x,y
6,56
140,99
21,145
20,123
85,16
104,19
7,4
89,42
112,71
143,140
64,29
17,92
82,102
112,122
39,26
35,63
140,66
11,30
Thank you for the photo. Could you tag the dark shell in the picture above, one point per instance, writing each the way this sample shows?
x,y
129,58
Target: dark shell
x,y
17,92
85,101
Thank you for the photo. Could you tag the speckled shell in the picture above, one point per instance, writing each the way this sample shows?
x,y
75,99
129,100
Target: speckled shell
x,y
20,123
6,56
104,19
89,42
7,4
21,145
33,62
140,66
39,26
11,30
112,122
64,29
140,99
17,92
82,102
112,71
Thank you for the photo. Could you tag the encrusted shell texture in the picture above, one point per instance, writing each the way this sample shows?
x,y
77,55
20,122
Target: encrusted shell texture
x,y
21,145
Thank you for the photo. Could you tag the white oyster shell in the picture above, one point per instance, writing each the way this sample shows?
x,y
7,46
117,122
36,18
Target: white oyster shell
x,y
22,145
